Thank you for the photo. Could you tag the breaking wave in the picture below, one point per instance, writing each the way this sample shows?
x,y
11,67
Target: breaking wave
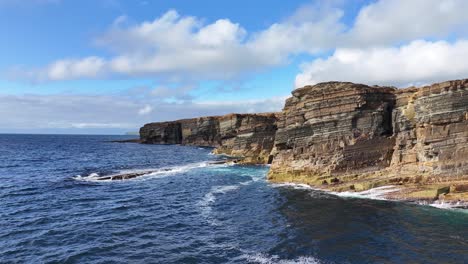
x,y
209,199
377,193
145,173
266,259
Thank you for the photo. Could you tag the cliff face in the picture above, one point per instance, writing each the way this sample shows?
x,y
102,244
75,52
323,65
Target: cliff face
x,y
249,136
333,129
431,134
431,130
343,136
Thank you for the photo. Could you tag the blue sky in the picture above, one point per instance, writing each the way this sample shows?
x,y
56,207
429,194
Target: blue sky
x,y
109,66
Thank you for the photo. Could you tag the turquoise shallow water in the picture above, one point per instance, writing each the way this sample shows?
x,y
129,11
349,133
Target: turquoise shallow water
x,y
51,211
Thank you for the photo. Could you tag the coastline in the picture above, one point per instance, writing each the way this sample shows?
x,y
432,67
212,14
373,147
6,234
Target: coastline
x,y
347,137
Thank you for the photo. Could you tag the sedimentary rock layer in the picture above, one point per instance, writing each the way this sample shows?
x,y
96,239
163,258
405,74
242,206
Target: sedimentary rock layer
x,y
344,136
249,136
332,129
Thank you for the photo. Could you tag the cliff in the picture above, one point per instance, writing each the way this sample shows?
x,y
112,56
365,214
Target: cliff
x,y
333,129
343,136
247,136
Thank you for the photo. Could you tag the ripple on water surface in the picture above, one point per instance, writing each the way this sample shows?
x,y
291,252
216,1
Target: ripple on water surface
x,y
188,211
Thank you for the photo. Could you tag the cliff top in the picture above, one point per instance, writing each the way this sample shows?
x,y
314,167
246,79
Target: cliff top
x,y
436,88
230,115
334,86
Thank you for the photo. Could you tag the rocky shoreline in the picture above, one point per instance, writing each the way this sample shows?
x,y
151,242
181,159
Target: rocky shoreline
x,y
347,137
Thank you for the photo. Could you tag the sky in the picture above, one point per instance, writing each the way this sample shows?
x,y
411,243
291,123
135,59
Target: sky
x,y
110,66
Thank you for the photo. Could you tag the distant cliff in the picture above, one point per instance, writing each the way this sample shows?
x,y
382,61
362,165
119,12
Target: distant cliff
x,y
343,136
250,136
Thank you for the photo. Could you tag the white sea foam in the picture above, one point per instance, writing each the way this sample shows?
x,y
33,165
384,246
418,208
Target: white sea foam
x,y
147,173
296,186
374,193
266,259
445,205
209,199
377,193
90,177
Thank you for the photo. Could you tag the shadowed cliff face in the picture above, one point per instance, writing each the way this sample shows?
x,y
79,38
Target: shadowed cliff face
x,y
250,136
344,136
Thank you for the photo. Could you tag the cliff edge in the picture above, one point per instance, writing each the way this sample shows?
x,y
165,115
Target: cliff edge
x,y
249,137
343,136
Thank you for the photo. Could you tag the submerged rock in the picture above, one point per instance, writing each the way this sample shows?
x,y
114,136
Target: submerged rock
x,y
133,175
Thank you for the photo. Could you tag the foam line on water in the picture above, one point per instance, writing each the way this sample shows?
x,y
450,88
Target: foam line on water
x,y
267,259
210,197
446,205
148,173
296,186
206,203
377,193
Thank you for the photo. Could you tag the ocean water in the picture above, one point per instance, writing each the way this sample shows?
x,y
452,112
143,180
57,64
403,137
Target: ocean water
x,y
188,211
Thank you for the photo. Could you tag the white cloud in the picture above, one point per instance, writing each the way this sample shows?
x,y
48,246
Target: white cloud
x,y
394,21
181,49
145,110
178,47
89,67
418,62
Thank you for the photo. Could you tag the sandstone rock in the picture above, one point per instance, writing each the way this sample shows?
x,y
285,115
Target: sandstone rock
x,y
433,134
250,136
345,136
334,128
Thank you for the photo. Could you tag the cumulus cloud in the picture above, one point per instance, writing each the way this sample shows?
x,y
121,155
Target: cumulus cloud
x,y
418,62
176,48
386,45
394,21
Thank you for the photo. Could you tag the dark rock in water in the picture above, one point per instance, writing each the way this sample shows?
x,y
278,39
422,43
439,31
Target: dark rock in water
x,y
226,161
123,176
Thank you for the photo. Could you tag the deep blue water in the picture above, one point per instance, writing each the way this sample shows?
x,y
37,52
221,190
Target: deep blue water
x,y
52,212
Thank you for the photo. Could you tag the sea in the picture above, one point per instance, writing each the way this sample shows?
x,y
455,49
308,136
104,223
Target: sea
x,y
188,210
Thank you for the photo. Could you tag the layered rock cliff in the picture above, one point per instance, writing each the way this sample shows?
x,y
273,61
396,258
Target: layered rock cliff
x,y
247,136
343,136
333,129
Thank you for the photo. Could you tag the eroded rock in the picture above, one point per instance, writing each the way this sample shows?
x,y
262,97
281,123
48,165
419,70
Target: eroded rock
x,y
344,136
247,136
